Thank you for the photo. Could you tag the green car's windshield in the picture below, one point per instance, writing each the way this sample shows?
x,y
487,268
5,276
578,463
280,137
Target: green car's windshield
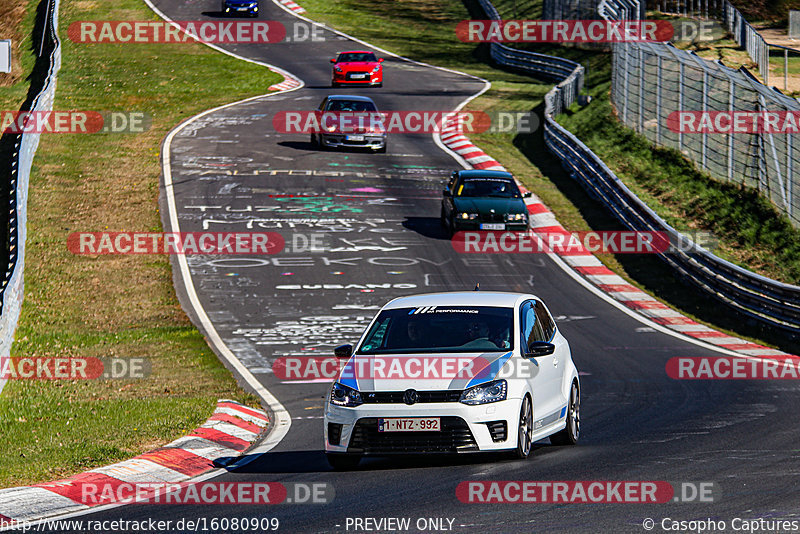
x,y
441,329
488,187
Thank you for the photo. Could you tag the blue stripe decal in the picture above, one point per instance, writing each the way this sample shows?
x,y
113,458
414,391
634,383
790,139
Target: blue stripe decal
x,y
563,412
348,376
490,372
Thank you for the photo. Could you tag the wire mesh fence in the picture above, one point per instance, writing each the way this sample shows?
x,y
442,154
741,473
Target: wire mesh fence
x,y
767,301
651,82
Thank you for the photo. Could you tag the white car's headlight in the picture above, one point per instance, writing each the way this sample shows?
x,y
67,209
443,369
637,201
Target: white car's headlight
x,y
342,395
485,393
516,217
467,216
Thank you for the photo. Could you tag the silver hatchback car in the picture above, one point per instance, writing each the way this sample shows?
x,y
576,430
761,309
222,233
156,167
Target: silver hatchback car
x,y
348,121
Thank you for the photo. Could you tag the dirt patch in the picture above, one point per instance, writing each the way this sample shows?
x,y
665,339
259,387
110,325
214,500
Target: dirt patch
x,y
778,36
12,12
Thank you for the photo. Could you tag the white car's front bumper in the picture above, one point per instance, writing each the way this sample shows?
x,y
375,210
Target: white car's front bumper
x,y
464,428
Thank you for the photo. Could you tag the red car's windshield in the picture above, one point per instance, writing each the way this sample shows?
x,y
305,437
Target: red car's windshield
x,y
350,57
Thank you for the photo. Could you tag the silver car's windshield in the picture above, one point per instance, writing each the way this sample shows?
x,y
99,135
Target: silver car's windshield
x,y
350,105
441,329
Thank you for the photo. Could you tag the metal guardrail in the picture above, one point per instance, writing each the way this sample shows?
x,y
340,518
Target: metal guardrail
x,y
768,301
568,74
13,282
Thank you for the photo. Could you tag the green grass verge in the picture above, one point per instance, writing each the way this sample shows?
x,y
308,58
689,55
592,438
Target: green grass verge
x,y
121,306
751,231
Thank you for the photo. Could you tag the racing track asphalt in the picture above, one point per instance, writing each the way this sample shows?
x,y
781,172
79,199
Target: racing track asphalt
x,y
637,424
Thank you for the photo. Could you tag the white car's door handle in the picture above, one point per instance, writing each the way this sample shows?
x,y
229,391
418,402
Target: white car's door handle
x,y
555,362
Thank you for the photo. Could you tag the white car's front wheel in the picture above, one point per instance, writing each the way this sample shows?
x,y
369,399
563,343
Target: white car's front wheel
x,y
525,433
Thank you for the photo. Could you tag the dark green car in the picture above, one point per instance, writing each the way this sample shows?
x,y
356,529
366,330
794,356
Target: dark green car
x,y
483,200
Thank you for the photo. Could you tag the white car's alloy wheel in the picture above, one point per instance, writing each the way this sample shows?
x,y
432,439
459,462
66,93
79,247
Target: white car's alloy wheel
x,y
525,434
570,435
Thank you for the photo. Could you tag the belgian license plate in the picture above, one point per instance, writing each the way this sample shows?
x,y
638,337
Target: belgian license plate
x,y
493,226
416,424
355,137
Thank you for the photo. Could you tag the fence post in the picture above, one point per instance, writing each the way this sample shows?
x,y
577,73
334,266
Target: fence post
x,y
641,88
625,99
705,110
789,176
730,135
658,102
680,103
785,69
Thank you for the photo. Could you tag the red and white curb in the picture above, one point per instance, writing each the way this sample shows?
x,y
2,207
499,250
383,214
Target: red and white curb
x,y
230,431
294,6
593,270
453,139
289,82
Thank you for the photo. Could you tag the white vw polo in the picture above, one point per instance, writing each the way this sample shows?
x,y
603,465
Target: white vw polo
x,y
453,373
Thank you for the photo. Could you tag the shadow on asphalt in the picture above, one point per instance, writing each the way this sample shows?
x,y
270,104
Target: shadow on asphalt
x,y
306,145
223,15
315,461
427,227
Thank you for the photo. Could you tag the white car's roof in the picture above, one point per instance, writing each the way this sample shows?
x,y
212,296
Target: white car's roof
x,y
460,298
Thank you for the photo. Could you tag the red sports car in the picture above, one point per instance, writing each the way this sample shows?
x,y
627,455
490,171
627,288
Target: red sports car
x,y
357,67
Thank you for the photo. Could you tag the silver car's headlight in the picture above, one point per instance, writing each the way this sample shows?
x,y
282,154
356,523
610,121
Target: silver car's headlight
x,y
342,395
485,393
516,217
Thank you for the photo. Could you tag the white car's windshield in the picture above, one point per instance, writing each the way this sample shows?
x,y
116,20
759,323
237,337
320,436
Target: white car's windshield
x,y
441,329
